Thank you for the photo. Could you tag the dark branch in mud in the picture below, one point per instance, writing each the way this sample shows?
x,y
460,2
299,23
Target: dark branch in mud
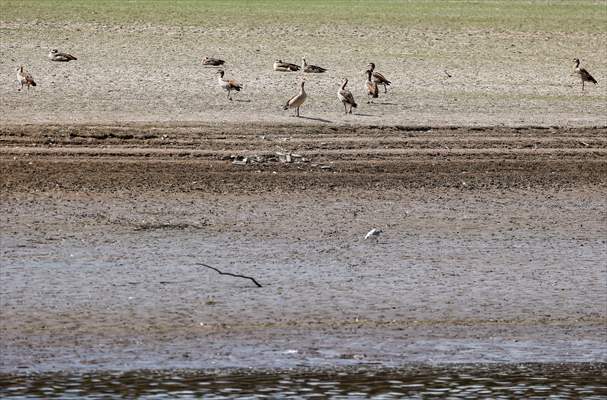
x,y
229,274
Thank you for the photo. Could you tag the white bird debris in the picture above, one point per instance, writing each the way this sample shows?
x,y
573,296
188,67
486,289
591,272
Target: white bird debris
x,y
287,158
240,160
373,233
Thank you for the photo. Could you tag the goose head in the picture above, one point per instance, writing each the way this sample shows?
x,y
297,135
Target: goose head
x,y
220,73
576,61
371,66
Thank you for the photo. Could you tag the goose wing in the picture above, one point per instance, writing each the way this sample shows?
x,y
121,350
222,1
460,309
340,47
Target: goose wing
x,y
347,96
285,66
296,100
234,85
212,61
26,77
66,56
291,100
314,69
379,77
586,76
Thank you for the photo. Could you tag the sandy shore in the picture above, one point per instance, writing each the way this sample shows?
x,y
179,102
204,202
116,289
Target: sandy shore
x,y
493,247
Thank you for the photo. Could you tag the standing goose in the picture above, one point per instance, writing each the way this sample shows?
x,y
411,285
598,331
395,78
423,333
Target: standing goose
x,y
228,84
379,78
212,61
313,69
279,65
372,89
24,78
345,96
297,100
584,75
55,55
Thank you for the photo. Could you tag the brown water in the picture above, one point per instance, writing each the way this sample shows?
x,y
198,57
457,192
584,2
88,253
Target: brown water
x,y
555,381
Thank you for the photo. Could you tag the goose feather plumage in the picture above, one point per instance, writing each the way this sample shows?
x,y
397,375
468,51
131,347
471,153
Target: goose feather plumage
x,y
346,97
56,55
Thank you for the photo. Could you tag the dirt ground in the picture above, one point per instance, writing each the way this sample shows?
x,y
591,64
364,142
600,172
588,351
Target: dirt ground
x,y
441,75
493,246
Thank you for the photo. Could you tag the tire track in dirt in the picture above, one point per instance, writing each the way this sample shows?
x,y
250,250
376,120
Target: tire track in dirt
x,y
184,158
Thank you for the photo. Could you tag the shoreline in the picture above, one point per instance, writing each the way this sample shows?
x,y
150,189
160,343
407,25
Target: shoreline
x,y
493,243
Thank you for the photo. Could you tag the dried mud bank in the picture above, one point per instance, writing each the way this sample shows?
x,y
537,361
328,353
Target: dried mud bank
x,y
189,157
493,247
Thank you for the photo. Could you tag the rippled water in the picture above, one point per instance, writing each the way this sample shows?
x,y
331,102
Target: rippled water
x,y
557,381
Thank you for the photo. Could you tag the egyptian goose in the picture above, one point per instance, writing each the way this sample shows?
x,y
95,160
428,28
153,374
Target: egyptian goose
x,y
228,84
379,78
313,69
584,75
55,55
25,78
279,65
297,100
345,96
212,61
372,89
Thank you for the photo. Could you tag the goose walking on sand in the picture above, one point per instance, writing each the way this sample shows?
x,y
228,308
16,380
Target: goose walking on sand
x,y
379,78
311,69
282,66
345,96
371,86
584,75
55,55
24,78
297,100
228,84
212,61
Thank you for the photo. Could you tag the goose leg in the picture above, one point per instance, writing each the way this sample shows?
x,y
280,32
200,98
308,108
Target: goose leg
x,y
385,88
345,108
297,111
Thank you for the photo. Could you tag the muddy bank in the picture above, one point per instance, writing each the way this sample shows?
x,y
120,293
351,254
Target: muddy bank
x,y
493,247
181,158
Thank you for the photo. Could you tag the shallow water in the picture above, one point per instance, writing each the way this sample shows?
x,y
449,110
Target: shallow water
x,y
557,381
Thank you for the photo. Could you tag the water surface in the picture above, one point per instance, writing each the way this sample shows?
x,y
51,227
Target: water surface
x,y
555,381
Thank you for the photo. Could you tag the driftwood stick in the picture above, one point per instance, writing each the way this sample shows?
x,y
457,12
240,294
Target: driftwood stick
x,y
227,273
